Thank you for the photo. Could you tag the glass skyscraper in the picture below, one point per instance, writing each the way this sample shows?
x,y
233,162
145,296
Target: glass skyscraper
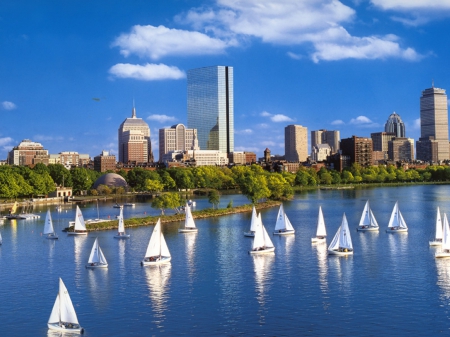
x,y
210,107
395,125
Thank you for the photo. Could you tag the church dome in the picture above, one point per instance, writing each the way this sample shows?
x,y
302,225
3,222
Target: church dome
x,y
111,180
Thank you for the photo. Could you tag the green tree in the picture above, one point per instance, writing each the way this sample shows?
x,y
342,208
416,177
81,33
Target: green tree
x,y
214,198
167,200
81,179
167,180
347,177
60,175
153,185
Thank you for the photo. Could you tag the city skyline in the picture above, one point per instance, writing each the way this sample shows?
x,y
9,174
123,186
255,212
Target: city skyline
x,y
69,85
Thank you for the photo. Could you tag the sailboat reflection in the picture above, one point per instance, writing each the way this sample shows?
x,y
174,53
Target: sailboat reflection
x,y
443,279
322,263
190,244
262,265
157,278
99,287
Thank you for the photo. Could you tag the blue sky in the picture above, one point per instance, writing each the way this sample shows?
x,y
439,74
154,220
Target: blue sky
x,y
69,70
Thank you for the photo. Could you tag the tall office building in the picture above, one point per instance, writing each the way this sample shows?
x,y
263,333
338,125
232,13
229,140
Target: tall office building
x,y
296,143
395,125
134,140
433,144
359,149
332,138
177,138
210,107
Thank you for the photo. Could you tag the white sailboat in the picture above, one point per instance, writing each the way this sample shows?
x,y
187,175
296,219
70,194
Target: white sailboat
x,y
189,224
342,241
367,223
79,226
121,230
261,242
445,246
63,317
438,233
157,250
251,232
396,222
1,239
283,226
321,233
49,231
97,259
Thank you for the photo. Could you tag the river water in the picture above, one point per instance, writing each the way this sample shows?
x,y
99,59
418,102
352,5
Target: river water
x,y
392,285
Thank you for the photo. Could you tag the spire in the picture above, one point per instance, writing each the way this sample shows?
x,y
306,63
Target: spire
x,y
432,83
133,112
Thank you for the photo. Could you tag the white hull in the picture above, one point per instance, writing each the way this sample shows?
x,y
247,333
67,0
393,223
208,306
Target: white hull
x,y
338,253
318,240
55,326
52,237
76,233
249,234
368,229
187,230
287,232
442,255
435,243
88,266
263,251
123,236
155,263
397,230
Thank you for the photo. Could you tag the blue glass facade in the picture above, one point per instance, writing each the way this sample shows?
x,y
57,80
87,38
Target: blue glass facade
x,y
210,107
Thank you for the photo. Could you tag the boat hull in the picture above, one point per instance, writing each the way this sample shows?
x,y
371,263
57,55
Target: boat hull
x,y
399,230
88,266
318,240
249,234
76,233
55,326
163,260
441,255
338,253
435,243
52,237
284,232
123,236
262,251
187,230
368,229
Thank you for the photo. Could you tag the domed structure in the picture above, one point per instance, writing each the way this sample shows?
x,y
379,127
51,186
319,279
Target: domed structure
x,y
395,125
111,180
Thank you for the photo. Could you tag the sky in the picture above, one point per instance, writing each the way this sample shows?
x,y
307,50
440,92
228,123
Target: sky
x,y
70,70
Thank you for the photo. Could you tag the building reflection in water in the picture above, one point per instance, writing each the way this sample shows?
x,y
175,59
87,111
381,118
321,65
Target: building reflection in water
x,y
158,278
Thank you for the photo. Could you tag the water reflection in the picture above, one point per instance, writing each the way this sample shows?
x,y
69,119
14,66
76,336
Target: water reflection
x,y
157,278
190,241
342,267
367,240
122,245
262,265
443,279
397,243
322,263
98,283
53,333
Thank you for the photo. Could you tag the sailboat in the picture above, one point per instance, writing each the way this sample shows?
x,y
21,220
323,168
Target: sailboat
x,y
11,215
445,246
48,227
321,233
97,259
63,317
79,226
438,234
396,222
261,242
368,223
251,232
342,241
1,239
283,225
157,250
189,224
121,230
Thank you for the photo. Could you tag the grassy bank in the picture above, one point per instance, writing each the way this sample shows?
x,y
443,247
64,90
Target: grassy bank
x,y
202,214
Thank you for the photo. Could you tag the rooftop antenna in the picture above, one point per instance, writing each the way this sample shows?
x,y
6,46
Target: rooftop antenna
x,y
432,83
133,112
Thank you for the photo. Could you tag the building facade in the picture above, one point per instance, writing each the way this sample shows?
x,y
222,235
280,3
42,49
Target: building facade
x,y
28,153
296,143
134,140
332,138
241,157
401,149
320,152
104,162
380,140
177,138
197,157
359,149
395,125
210,107
433,144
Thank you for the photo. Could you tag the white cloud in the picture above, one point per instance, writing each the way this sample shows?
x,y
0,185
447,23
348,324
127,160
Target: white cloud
x,y
265,114
280,118
156,42
337,122
8,105
148,72
262,126
268,143
243,132
249,149
5,141
294,56
43,138
360,120
161,118
416,125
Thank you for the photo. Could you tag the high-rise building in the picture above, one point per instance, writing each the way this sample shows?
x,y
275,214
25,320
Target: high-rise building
x,y
296,143
433,144
28,153
177,138
359,149
380,140
401,149
210,107
332,138
104,162
395,125
134,140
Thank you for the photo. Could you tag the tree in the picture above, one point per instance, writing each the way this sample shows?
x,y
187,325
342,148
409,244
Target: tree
x,y
167,180
153,185
279,187
167,200
214,198
60,175
81,179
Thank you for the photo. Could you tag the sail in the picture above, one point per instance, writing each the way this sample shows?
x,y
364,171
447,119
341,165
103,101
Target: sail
x,y
94,257
258,239
79,220
48,227
445,234
189,220
373,221
67,311
365,216
345,240
121,228
254,220
157,246
54,316
267,241
164,249
393,221
101,257
288,223
438,225
335,242
321,231
280,219
1,240
14,208
401,222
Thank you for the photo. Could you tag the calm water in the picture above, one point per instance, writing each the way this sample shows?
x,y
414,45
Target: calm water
x,y
391,286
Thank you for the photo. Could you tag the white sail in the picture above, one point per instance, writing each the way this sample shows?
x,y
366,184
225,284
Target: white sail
x,y
345,240
63,310
446,234
189,220
267,240
1,239
79,221
280,219
321,231
164,249
335,242
157,245
97,254
288,224
254,220
401,222
121,228
258,239
365,216
48,227
373,221
394,221
439,228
